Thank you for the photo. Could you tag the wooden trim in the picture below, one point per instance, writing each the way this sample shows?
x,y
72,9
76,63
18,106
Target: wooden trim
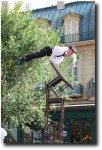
x,y
81,43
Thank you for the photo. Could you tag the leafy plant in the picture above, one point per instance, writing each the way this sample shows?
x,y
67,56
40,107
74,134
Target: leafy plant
x,y
22,100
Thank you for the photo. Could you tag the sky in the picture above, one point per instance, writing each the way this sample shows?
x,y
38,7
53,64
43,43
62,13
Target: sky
x,y
34,4
44,3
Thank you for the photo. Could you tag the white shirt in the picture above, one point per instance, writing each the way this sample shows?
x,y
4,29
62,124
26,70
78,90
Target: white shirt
x,y
3,134
57,51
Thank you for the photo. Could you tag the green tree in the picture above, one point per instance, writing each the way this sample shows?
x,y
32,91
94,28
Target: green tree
x,y
23,98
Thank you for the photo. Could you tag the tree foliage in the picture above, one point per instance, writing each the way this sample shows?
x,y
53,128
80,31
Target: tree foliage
x,y
23,98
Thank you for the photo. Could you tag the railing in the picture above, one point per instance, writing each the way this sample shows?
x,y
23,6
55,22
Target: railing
x,y
78,37
77,89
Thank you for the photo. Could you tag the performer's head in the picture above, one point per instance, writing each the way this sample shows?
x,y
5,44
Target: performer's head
x,y
71,50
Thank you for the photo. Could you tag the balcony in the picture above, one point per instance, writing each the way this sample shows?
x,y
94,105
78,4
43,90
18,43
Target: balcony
x,y
84,36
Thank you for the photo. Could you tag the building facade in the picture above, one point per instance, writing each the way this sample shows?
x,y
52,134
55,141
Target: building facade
x,y
77,23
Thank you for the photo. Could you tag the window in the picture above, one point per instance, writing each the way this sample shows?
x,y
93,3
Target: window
x,y
71,27
81,130
44,22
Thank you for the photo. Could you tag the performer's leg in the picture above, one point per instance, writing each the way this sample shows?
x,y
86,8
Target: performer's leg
x,y
46,51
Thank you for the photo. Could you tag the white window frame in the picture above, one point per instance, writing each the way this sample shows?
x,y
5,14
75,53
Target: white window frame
x,y
71,32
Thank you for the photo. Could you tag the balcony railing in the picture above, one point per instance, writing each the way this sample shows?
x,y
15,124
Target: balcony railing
x,y
78,37
77,90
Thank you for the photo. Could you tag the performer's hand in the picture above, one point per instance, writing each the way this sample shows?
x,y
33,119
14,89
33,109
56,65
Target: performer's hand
x,y
20,61
73,65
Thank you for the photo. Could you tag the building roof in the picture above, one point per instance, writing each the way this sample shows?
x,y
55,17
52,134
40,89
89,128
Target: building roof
x,y
86,9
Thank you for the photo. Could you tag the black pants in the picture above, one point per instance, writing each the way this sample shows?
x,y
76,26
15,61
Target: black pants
x,y
46,51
